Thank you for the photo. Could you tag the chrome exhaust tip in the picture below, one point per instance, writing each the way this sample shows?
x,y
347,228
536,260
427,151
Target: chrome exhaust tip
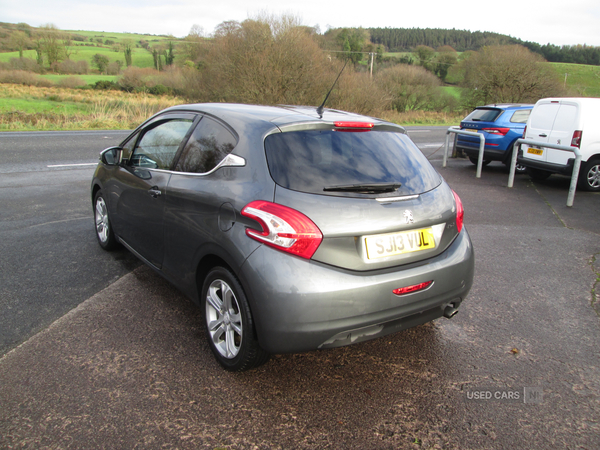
x,y
450,311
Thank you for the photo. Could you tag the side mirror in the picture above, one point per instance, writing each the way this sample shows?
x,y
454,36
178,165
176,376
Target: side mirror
x,y
111,156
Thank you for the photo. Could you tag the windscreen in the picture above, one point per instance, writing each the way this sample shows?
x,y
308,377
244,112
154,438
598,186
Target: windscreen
x,y
484,115
326,161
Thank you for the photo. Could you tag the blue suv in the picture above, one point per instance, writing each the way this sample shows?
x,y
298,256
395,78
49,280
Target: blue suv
x,y
501,126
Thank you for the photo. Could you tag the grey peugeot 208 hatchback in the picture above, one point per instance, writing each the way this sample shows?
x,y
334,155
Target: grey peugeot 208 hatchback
x,y
293,229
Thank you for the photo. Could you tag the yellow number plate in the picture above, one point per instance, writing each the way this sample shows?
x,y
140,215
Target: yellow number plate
x,y
535,151
383,245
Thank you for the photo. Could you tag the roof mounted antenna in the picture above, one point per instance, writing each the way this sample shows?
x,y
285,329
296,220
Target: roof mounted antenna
x,y
320,108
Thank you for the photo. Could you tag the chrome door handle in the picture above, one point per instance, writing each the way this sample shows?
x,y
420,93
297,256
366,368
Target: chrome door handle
x,y
154,192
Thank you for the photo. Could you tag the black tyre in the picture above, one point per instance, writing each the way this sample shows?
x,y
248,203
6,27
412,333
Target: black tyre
x,y
589,175
519,169
229,324
104,231
538,174
484,163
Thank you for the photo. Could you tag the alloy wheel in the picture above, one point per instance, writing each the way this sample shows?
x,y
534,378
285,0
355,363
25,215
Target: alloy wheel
x,y
224,319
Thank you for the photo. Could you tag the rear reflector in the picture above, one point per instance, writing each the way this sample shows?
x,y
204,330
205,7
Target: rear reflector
x,y
413,288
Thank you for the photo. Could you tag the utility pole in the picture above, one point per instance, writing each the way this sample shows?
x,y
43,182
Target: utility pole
x,y
372,65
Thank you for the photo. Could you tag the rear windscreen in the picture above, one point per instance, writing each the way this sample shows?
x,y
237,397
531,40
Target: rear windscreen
x,y
484,115
314,160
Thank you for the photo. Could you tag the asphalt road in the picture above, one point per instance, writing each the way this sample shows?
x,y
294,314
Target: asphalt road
x,y
518,367
50,258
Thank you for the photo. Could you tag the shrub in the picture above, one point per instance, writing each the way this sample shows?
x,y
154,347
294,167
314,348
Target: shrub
x,y
72,82
134,78
72,67
26,64
159,89
411,88
357,92
114,68
266,61
23,77
106,85
507,74
172,80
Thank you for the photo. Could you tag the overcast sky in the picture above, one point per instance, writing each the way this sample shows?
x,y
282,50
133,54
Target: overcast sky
x,y
543,21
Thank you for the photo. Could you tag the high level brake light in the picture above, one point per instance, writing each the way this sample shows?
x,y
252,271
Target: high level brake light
x,y
353,126
283,228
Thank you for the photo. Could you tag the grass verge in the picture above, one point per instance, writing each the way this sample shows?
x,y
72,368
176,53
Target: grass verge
x,y
30,108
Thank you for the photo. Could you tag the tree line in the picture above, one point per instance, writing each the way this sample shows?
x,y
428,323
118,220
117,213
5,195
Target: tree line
x,y
407,39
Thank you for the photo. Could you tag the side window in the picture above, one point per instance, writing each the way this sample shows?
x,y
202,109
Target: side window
x,y
520,116
157,147
208,145
128,147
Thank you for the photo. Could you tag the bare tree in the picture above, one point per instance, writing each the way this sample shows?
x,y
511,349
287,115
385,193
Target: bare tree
x,y
51,42
20,41
265,60
409,87
509,73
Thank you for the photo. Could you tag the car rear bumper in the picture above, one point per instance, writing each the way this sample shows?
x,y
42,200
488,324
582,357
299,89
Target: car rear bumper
x,y
490,154
548,167
301,305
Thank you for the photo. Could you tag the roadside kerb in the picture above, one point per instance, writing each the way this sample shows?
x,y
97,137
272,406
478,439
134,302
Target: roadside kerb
x,y
481,137
566,148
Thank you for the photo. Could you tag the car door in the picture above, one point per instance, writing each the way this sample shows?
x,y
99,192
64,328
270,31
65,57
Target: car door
x,y
539,128
139,190
562,133
201,193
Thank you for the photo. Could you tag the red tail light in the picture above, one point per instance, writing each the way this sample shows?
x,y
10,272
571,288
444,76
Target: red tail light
x,y
460,212
497,131
576,141
524,132
413,288
353,126
283,228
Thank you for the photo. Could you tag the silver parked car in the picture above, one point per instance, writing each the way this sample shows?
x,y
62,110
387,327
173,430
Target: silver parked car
x,y
293,229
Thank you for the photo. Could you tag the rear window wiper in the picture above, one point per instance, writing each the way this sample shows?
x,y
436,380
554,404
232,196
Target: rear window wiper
x,y
376,188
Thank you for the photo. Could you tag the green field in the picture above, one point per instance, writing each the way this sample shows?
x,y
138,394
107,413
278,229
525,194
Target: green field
x,y
583,80
37,105
85,50
140,56
120,36
453,91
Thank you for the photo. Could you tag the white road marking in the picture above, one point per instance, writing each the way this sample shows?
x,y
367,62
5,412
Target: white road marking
x,y
72,165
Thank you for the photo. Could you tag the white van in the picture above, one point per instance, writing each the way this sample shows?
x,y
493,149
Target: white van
x,y
564,121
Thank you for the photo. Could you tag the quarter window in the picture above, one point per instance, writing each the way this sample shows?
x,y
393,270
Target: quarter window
x,y
209,144
520,116
158,146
